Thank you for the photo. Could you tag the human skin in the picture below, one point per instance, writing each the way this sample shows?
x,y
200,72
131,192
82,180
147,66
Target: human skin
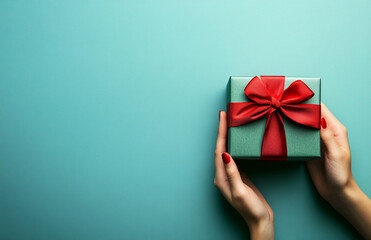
x,y
239,191
331,175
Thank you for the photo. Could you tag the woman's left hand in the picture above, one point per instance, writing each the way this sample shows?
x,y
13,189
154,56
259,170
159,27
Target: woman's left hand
x,y
238,189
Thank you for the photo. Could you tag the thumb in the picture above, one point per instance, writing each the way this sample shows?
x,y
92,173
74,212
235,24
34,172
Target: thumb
x,y
329,125
233,174
327,135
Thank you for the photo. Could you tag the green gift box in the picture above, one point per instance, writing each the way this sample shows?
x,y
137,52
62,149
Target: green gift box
x,y
245,140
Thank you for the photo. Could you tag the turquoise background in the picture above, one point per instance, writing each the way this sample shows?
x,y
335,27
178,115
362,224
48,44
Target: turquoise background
x,y
109,113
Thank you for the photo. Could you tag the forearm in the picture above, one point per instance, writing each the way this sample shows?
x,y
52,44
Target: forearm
x,y
355,206
262,231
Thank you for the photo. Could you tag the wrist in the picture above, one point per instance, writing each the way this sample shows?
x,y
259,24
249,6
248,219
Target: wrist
x,y
346,196
263,229
355,206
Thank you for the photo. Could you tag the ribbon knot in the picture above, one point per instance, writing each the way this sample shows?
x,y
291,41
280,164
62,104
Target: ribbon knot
x,y
275,103
267,94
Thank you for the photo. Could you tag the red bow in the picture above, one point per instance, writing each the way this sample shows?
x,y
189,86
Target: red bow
x,y
270,99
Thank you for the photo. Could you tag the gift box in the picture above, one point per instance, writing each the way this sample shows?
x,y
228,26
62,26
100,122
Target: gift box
x,y
274,118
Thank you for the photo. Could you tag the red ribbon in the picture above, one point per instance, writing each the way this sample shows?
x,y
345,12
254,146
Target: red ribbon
x,y
269,99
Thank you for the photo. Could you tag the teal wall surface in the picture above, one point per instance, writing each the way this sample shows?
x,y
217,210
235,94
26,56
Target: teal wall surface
x,y
109,113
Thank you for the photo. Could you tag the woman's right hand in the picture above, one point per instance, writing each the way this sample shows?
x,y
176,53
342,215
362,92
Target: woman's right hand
x,y
332,175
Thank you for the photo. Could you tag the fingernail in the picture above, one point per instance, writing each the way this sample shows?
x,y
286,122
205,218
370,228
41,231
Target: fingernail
x,y
226,158
323,123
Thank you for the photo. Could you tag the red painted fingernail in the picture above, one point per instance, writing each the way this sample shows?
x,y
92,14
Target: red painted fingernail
x,y
323,123
226,158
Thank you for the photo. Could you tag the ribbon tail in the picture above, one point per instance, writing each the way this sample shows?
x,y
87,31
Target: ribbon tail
x,y
274,146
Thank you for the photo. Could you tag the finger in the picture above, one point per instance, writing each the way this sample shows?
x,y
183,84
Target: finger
x,y
221,180
315,169
328,123
339,132
250,184
221,146
330,118
222,133
328,138
233,175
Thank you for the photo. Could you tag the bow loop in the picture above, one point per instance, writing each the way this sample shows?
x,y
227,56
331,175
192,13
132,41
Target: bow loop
x,y
257,91
296,93
274,85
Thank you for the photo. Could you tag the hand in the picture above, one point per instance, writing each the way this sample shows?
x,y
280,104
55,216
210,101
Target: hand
x,y
332,175
239,191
